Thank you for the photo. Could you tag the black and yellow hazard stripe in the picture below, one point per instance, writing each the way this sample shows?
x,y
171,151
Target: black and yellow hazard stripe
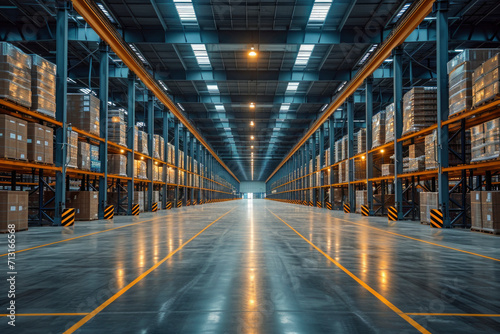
x,y
436,218
135,210
311,203
109,212
347,208
305,203
179,204
68,217
169,205
188,202
392,213
318,204
154,207
365,210
329,205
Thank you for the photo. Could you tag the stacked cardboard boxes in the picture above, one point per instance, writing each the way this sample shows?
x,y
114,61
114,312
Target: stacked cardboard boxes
x,y
486,81
39,143
485,140
419,109
476,211
43,86
338,150
159,147
378,129
428,201
139,197
72,152
360,137
361,199
13,210
490,211
389,123
140,169
142,142
95,162
13,138
416,157
85,203
83,112
117,164
345,147
15,75
387,169
359,169
84,156
117,129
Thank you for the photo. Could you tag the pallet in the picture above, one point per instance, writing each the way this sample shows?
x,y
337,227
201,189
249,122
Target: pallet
x,y
5,232
491,231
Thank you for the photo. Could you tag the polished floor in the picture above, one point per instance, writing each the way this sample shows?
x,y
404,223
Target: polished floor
x,y
253,267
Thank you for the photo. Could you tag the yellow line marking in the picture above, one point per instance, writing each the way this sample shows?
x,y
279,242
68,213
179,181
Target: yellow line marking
x,y
44,314
85,235
362,283
135,281
454,315
416,239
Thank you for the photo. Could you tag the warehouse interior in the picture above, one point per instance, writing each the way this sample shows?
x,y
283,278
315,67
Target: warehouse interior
x,y
192,166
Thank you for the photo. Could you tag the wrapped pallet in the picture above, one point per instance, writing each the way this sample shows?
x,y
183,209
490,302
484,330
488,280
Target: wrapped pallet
x,y
171,154
170,175
476,211
13,210
490,211
486,81
117,164
360,138
416,164
460,71
378,129
72,149
428,201
36,138
84,156
83,112
43,86
117,129
345,147
95,162
142,142
359,169
455,144
387,169
389,123
156,147
419,109
140,169
15,75
492,139
85,203
338,150
327,157
139,198
136,138
361,199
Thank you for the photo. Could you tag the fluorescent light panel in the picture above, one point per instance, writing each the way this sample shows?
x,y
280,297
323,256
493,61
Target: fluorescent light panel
x,y
106,12
219,107
212,88
320,11
285,106
342,85
401,12
304,54
186,11
292,86
162,84
367,54
200,52
138,53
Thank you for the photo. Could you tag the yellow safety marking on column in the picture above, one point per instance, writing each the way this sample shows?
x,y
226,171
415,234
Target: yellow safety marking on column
x,y
68,217
347,208
169,205
392,213
135,209
412,322
101,307
109,212
311,203
318,204
365,211
329,206
453,315
154,207
436,218
179,204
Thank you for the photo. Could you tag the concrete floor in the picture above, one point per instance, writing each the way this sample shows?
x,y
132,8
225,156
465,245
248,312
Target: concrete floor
x,y
250,272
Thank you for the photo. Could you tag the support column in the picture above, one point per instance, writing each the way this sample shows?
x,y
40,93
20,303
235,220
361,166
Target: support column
x,y
350,149
151,131
176,149
331,139
103,125
441,7
369,141
199,159
185,145
130,141
61,106
191,168
398,128
321,163
165,154
313,176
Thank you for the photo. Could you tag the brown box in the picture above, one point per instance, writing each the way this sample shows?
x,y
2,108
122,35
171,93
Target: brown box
x,y
490,207
8,135
416,150
13,210
476,210
22,140
86,204
36,139
84,156
49,145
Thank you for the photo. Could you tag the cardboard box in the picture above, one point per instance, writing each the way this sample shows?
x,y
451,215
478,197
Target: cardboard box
x,y
13,210
84,156
22,139
416,150
476,210
86,204
490,208
36,139
8,137
49,145
428,201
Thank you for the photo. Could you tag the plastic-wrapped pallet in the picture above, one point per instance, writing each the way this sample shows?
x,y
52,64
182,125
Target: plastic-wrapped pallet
x,y
140,169
170,155
455,144
84,156
360,141
43,86
83,112
156,147
428,201
327,157
387,169
181,159
406,164
492,139
378,129
416,164
72,152
486,81
117,164
389,123
117,129
142,142
361,199
162,148
338,150
139,198
460,70
136,138
359,169
15,75
345,147
95,162
419,109
170,175
318,163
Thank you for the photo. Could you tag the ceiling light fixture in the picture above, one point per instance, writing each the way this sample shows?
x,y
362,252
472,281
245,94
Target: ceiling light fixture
x,y
252,52
251,123
252,137
252,105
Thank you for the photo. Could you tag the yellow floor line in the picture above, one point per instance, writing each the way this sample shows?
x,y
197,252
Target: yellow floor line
x,y
44,314
137,280
362,283
453,315
85,235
